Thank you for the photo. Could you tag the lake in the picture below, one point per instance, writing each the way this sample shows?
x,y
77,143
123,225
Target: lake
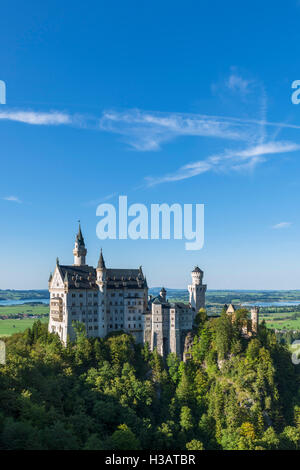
x,y
272,304
26,301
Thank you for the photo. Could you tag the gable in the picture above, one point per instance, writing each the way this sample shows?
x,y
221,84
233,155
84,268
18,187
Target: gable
x,y
57,281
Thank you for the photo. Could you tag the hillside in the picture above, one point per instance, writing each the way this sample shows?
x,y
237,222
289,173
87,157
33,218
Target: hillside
x,y
234,392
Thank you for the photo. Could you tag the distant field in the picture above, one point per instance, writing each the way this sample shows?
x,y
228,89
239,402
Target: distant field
x,y
28,309
9,327
15,325
284,324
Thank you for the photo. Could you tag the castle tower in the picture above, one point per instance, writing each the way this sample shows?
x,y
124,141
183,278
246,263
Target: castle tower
x,y
197,290
254,319
80,250
101,282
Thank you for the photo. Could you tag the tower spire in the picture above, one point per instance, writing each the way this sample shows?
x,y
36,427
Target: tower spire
x,y
80,250
101,262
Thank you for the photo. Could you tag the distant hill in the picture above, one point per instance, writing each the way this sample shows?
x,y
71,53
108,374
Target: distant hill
x,y
10,294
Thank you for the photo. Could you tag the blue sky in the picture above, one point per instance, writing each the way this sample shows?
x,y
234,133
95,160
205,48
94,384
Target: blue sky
x,y
186,102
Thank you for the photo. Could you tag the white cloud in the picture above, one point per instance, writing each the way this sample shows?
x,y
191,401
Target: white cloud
x,y
229,160
146,131
95,202
12,199
237,83
282,225
37,118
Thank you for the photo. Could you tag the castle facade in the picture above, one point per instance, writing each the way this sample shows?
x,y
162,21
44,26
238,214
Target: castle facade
x,y
108,300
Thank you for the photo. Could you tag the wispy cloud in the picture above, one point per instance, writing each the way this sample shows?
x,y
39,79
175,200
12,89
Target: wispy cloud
x,y
237,83
282,225
147,130
230,159
37,118
102,199
12,199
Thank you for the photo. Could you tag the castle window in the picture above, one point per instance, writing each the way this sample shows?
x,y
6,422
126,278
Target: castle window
x,y
129,326
73,295
80,295
95,295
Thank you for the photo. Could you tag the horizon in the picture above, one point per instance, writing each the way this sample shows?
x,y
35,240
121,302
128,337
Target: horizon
x,y
177,288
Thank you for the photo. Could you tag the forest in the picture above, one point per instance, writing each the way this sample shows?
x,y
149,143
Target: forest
x,y
234,393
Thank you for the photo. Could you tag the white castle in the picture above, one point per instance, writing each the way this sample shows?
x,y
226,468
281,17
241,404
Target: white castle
x,y
108,300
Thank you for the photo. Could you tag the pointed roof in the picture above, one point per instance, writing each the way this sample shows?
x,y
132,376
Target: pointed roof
x,y
50,277
101,263
197,270
79,236
231,309
163,290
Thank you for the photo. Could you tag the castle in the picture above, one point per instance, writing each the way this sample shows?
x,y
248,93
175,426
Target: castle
x,y
249,327
108,300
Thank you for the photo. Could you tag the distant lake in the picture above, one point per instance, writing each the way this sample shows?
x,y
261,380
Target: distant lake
x,y
25,301
272,304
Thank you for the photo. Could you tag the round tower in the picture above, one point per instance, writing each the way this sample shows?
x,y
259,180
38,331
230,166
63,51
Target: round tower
x,y
254,319
197,290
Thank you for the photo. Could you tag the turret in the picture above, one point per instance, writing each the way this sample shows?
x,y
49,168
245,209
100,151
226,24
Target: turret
x,y
197,275
101,270
80,250
163,294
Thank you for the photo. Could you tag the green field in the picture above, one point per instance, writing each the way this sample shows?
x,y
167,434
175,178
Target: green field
x,y
24,309
9,327
16,321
